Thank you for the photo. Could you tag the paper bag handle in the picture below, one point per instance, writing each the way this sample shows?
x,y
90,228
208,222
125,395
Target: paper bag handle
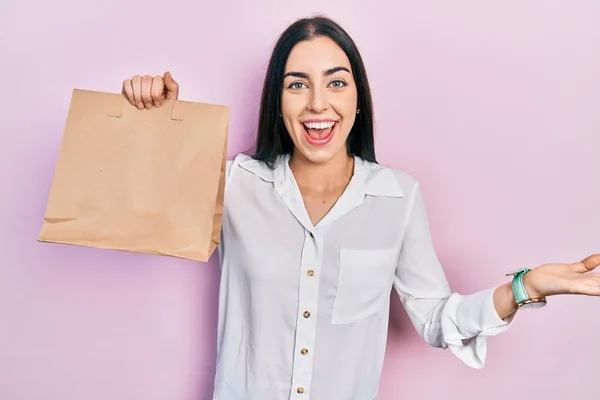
x,y
115,108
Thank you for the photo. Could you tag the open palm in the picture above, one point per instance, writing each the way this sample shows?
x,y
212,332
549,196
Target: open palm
x,y
574,278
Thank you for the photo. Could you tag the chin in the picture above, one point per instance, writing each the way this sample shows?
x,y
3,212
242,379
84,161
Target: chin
x,y
322,155
317,157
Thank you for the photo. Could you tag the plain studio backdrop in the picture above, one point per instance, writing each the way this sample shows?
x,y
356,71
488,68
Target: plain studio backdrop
x,y
493,106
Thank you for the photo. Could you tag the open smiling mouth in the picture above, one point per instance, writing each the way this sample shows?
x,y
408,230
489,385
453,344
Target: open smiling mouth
x,y
319,133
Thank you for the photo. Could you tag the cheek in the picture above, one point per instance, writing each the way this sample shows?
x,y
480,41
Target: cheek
x,y
292,105
346,108
346,127
346,104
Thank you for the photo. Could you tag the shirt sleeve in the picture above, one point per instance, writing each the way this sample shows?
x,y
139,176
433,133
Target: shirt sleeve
x,y
442,318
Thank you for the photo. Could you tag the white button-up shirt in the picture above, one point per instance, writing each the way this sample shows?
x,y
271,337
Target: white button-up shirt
x,y
303,309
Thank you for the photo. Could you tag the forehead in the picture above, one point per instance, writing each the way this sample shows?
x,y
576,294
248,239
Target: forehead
x,y
315,56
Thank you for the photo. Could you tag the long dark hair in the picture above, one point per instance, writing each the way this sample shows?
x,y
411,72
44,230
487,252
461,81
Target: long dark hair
x,y
272,139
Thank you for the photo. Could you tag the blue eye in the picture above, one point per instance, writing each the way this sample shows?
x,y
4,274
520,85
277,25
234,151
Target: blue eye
x,y
338,84
297,85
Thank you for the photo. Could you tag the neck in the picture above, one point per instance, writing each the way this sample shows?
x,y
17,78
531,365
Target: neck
x,y
322,176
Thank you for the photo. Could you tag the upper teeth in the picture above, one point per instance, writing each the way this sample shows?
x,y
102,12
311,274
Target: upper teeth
x,y
319,125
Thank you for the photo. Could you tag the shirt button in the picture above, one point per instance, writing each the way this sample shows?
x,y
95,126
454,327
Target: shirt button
x,y
310,272
300,390
304,352
306,314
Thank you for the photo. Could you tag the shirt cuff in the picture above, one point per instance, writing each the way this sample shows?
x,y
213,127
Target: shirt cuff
x,y
473,319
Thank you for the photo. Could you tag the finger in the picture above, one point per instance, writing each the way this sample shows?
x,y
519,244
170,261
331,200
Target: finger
x,y
128,90
171,86
136,83
147,91
158,86
587,264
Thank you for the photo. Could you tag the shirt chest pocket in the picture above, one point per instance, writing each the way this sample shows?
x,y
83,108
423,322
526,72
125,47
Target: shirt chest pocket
x,y
364,283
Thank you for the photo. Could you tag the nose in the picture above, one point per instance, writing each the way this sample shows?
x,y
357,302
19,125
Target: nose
x,y
318,101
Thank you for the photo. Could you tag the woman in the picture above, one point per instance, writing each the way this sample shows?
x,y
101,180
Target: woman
x,y
316,234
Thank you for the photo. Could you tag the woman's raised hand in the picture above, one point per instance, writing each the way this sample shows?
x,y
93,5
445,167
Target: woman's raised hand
x,y
149,91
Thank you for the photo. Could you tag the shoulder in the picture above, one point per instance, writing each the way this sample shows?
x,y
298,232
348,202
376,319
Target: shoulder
x,y
234,163
244,162
381,177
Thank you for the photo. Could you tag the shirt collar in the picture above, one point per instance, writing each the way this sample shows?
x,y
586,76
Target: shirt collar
x,y
369,178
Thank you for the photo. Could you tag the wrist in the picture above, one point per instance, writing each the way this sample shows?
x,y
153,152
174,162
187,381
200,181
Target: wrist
x,y
510,294
531,287
525,290
504,301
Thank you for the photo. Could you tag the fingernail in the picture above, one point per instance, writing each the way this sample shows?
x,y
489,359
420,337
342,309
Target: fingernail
x,y
140,105
156,104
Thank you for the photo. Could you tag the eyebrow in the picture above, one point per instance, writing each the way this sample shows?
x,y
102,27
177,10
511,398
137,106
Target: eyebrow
x,y
304,75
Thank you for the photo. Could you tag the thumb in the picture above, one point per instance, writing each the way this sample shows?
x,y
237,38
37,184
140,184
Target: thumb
x,y
591,262
171,86
587,264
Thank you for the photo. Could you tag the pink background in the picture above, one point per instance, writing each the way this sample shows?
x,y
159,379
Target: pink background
x,y
495,108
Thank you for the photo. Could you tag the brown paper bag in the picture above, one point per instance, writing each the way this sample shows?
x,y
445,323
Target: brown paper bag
x,y
149,181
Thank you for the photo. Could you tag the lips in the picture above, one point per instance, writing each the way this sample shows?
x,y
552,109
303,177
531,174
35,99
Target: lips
x,y
319,133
